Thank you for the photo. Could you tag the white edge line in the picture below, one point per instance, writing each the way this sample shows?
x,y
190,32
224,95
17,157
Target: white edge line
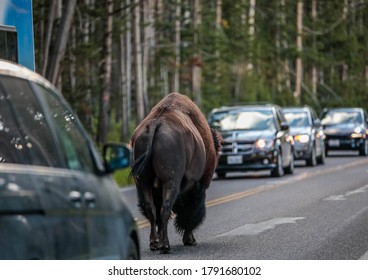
x,y
364,257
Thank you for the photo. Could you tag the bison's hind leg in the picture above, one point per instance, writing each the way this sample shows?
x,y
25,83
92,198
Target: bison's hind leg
x,y
149,210
191,211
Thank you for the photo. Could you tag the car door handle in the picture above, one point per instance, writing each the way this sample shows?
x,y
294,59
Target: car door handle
x,y
76,198
90,199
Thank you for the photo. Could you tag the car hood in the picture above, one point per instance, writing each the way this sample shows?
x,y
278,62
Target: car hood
x,y
300,130
246,135
341,128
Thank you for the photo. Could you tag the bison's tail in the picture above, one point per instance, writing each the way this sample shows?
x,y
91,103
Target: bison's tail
x,y
190,209
139,164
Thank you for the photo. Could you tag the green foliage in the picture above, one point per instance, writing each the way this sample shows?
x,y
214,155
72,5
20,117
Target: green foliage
x,y
122,177
236,67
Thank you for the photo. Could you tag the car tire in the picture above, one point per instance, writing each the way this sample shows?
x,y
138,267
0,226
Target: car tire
x,y
312,160
291,167
221,175
363,151
322,158
278,171
326,152
133,253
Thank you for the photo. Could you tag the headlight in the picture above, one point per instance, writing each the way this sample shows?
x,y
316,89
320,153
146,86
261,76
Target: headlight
x,y
263,143
302,138
358,133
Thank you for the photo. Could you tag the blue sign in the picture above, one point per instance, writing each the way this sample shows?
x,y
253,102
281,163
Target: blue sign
x,y
18,14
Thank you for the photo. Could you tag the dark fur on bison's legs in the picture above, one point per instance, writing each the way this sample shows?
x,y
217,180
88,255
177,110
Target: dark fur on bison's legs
x,y
191,211
148,210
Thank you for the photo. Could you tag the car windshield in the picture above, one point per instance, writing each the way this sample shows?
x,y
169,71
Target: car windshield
x,y
297,118
342,117
243,120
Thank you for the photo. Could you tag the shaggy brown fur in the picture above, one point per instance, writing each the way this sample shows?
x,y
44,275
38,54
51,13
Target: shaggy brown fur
x,y
182,103
175,156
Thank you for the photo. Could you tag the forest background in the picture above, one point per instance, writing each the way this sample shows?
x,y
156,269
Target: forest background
x,y
114,59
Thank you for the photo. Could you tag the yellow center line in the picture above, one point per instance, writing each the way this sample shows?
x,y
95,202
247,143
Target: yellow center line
x,y
232,197
235,196
143,224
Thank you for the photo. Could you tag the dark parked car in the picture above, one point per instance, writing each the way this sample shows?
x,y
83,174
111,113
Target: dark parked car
x,y
309,138
255,138
57,198
346,129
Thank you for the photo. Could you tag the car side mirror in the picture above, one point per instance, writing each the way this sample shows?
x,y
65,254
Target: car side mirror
x,y
116,156
284,126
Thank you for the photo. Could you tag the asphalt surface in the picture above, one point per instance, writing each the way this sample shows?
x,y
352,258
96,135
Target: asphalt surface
x,y
318,213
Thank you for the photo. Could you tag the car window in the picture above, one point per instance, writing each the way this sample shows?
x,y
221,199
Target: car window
x,y
74,145
24,126
297,118
243,120
10,137
342,117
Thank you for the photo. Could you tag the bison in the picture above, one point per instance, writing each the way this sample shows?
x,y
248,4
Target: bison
x,y
175,154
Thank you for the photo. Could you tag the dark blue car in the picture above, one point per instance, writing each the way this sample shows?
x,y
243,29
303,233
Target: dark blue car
x,y
346,129
57,198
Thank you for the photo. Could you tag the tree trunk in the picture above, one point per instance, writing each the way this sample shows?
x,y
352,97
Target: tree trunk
x,y
251,31
314,68
196,61
177,45
87,114
345,66
50,24
138,64
285,45
279,74
163,69
103,120
299,63
61,42
72,59
125,61
147,31
218,33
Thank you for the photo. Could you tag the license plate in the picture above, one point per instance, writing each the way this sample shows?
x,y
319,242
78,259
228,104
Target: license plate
x,y
334,142
234,159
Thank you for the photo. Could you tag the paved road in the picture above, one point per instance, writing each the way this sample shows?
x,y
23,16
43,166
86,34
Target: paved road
x,y
317,213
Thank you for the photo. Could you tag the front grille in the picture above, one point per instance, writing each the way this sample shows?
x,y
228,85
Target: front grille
x,y
237,147
338,137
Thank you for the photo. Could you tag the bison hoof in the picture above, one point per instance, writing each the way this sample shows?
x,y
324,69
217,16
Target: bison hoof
x,y
165,249
153,246
189,241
